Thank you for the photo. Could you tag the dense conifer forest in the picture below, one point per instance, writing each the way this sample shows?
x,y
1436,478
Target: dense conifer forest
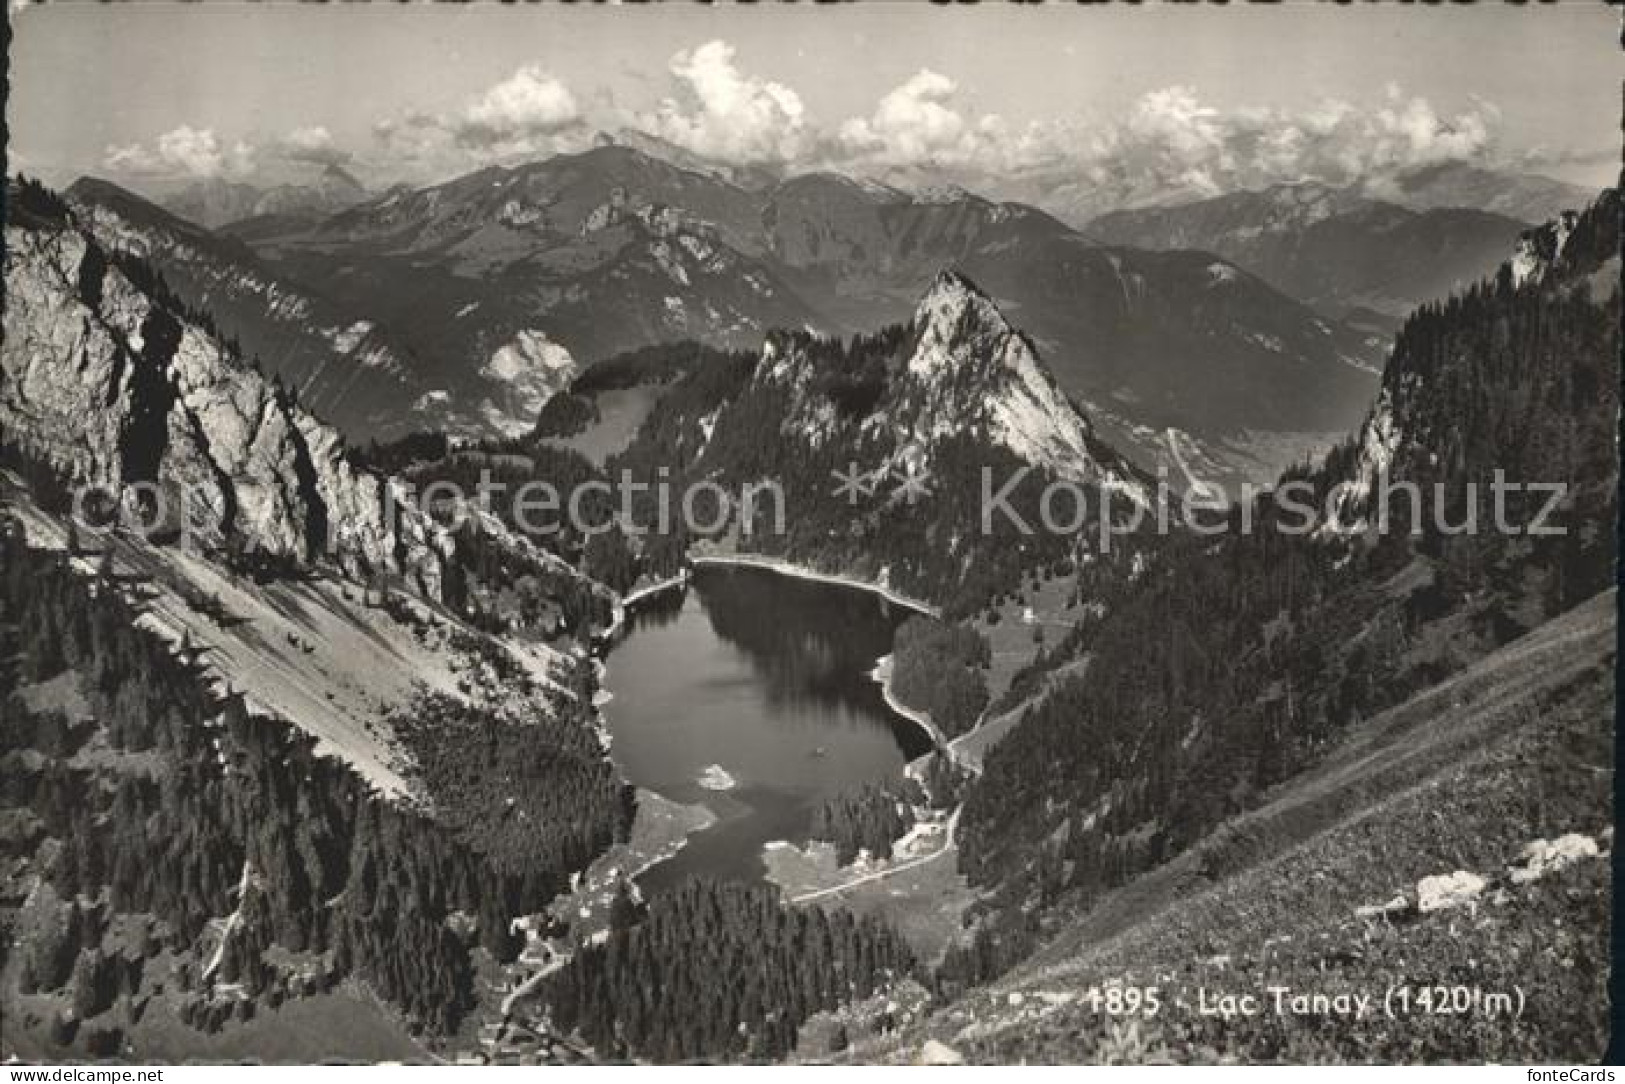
x,y
871,819
938,668
531,796
720,971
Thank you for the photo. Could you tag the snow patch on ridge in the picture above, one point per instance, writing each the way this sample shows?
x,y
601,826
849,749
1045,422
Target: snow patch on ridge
x,y
716,777
530,369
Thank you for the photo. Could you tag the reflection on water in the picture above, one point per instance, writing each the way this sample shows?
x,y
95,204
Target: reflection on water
x,y
766,678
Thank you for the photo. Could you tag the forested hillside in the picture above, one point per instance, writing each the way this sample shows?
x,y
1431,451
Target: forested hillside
x,y
1235,662
1455,849
170,808
721,972
937,669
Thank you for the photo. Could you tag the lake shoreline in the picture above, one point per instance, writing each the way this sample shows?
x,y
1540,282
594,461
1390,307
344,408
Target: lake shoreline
x,y
879,671
629,602
882,675
802,572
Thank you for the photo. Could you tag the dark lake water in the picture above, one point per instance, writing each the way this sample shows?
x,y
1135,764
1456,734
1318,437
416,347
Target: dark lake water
x,y
765,677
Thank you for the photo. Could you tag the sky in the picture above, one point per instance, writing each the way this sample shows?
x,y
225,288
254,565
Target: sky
x,y
1197,98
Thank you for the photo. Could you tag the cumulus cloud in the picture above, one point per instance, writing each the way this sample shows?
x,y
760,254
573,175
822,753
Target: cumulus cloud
x,y
314,145
410,135
1172,138
528,114
717,112
183,151
921,125
725,114
528,104
1170,142
914,123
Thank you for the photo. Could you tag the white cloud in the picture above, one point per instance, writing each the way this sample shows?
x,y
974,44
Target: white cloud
x,y
1169,143
913,123
530,114
919,125
724,114
313,144
527,104
183,151
1171,137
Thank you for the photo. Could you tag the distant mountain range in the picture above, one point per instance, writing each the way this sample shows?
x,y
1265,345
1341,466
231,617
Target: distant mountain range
x,y
1346,254
1527,197
493,289
216,202
505,273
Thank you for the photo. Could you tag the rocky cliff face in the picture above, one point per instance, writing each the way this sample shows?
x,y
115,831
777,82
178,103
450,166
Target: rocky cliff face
x,y
346,368
107,376
1541,247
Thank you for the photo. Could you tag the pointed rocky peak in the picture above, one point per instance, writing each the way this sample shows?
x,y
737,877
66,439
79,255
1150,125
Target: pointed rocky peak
x,y
955,318
971,371
339,179
952,298
950,283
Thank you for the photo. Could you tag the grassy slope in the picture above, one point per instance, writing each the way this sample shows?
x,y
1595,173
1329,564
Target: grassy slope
x,y
1461,777
311,651
345,1025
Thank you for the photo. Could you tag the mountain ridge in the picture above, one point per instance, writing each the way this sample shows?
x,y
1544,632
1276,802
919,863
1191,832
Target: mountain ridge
x,y
678,254
1336,249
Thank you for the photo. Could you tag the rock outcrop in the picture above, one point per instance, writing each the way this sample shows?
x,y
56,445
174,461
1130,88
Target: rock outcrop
x,y
348,369
970,372
104,374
